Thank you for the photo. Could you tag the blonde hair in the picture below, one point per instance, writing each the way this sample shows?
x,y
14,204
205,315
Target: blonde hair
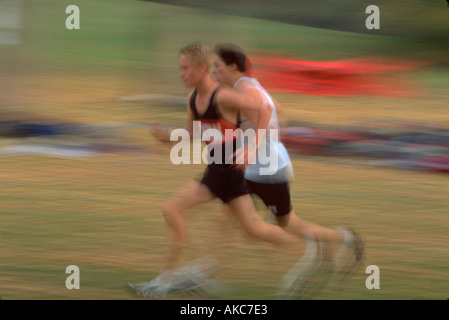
x,y
197,52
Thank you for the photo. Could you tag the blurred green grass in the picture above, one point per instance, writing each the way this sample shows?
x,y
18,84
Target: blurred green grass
x,y
103,214
145,34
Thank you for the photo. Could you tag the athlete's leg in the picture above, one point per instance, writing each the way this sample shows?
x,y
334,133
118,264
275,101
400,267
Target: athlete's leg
x,y
347,248
277,198
312,262
192,194
291,222
243,209
219,244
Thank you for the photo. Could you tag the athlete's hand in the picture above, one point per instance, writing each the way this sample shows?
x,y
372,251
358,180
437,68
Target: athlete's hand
x,y
160,132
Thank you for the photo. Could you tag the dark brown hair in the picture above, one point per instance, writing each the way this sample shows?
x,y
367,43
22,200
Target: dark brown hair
x,y
231,53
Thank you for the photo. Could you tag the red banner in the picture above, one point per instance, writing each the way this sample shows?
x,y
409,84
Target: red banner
x,y
363,76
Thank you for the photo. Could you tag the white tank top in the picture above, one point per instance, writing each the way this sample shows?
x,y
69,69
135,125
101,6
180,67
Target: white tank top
x,y
274,172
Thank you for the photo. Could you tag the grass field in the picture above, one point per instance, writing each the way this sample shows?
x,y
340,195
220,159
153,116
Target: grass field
x,y
103,213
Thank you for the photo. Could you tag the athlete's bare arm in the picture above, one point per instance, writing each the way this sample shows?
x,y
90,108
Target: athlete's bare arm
x,y
259,111
236,100
162,133
252,104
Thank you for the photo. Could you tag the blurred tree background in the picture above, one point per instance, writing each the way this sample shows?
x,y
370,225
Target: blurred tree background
x,y
424,21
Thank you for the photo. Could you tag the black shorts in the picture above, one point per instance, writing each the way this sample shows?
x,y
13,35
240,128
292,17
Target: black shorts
x,y
225,182
276,196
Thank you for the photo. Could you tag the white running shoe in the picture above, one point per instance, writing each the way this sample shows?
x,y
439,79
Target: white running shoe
x,y
191,278
195,282
157,288
349,257
195,278
309,274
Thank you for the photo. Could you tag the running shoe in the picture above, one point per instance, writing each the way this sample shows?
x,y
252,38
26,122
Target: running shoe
x,y
349,257
157,288
191,278
309,274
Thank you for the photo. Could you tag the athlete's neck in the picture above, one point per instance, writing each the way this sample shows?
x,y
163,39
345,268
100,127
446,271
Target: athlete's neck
x,y
205,86
235,78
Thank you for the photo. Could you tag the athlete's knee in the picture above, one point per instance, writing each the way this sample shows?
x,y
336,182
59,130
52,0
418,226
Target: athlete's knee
x,y
169,210
256,230
252,232
283,221
166,208
174,220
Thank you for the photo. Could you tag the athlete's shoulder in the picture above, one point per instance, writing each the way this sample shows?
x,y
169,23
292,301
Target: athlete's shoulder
x,y
189,97
248,86
244,84
191,93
